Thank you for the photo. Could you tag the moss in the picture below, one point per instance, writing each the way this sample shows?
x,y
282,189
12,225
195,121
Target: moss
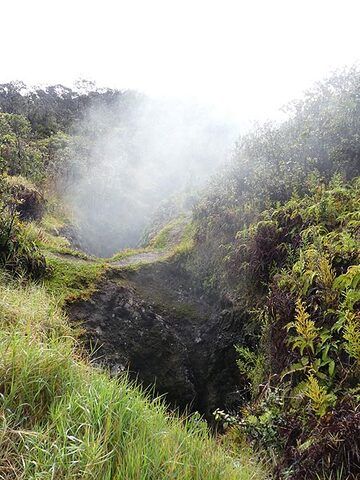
x,y
169,306
133,267
182,310
155,285
71,279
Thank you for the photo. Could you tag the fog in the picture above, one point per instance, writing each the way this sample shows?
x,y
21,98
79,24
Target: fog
x,y
140,152
248,57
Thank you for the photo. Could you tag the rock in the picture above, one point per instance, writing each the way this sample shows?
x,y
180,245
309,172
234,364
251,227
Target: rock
x,y
30,203
186,351
153,352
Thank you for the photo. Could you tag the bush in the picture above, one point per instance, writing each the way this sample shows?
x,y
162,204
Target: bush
x,y
19,252
28,200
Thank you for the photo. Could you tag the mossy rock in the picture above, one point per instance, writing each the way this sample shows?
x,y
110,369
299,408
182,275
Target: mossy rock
x,y
30,203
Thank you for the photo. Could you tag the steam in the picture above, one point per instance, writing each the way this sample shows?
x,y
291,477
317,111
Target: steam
x,y
138,153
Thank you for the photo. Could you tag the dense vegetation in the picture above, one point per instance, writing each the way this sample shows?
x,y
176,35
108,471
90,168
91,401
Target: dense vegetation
x,y
304,370
59,108
274,240
278,239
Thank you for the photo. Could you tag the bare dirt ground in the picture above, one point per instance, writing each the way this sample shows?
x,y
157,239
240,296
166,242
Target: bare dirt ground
x,y
145,257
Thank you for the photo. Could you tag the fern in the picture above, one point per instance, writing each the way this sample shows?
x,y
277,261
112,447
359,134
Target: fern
x,y
305,329
350,279
352,335
320,399
348,284
251,365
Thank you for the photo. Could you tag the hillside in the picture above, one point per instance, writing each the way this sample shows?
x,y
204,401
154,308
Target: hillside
x,y
240,308
277,244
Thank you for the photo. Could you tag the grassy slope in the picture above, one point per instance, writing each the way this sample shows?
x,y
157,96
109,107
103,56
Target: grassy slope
x,y
60,418
174,238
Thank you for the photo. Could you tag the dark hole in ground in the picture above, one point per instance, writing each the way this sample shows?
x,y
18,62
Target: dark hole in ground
x,y
153,324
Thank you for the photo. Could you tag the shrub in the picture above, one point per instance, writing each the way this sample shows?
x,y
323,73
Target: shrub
x,y
19,252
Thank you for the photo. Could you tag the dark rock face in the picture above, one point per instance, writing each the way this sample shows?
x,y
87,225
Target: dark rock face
x,y
71,232
188,354
130,334
31,205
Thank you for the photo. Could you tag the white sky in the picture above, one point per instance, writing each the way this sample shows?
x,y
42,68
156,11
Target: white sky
x,y
248,57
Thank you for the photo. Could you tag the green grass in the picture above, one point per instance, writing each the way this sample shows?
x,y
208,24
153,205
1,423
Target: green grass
x,y
61,418
171,235
48,242
186,243
53,222
174,239
70,279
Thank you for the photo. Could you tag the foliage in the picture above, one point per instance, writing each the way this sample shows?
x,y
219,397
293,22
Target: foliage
x,y
19,155
262,419
316,284
19,249
274,163
55,108
27,199
306,331
318,396
275,239
277,242
72,278
251,365
352,335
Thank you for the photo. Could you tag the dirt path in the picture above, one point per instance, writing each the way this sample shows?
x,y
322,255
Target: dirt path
x,y
144,257
69,257
136,258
